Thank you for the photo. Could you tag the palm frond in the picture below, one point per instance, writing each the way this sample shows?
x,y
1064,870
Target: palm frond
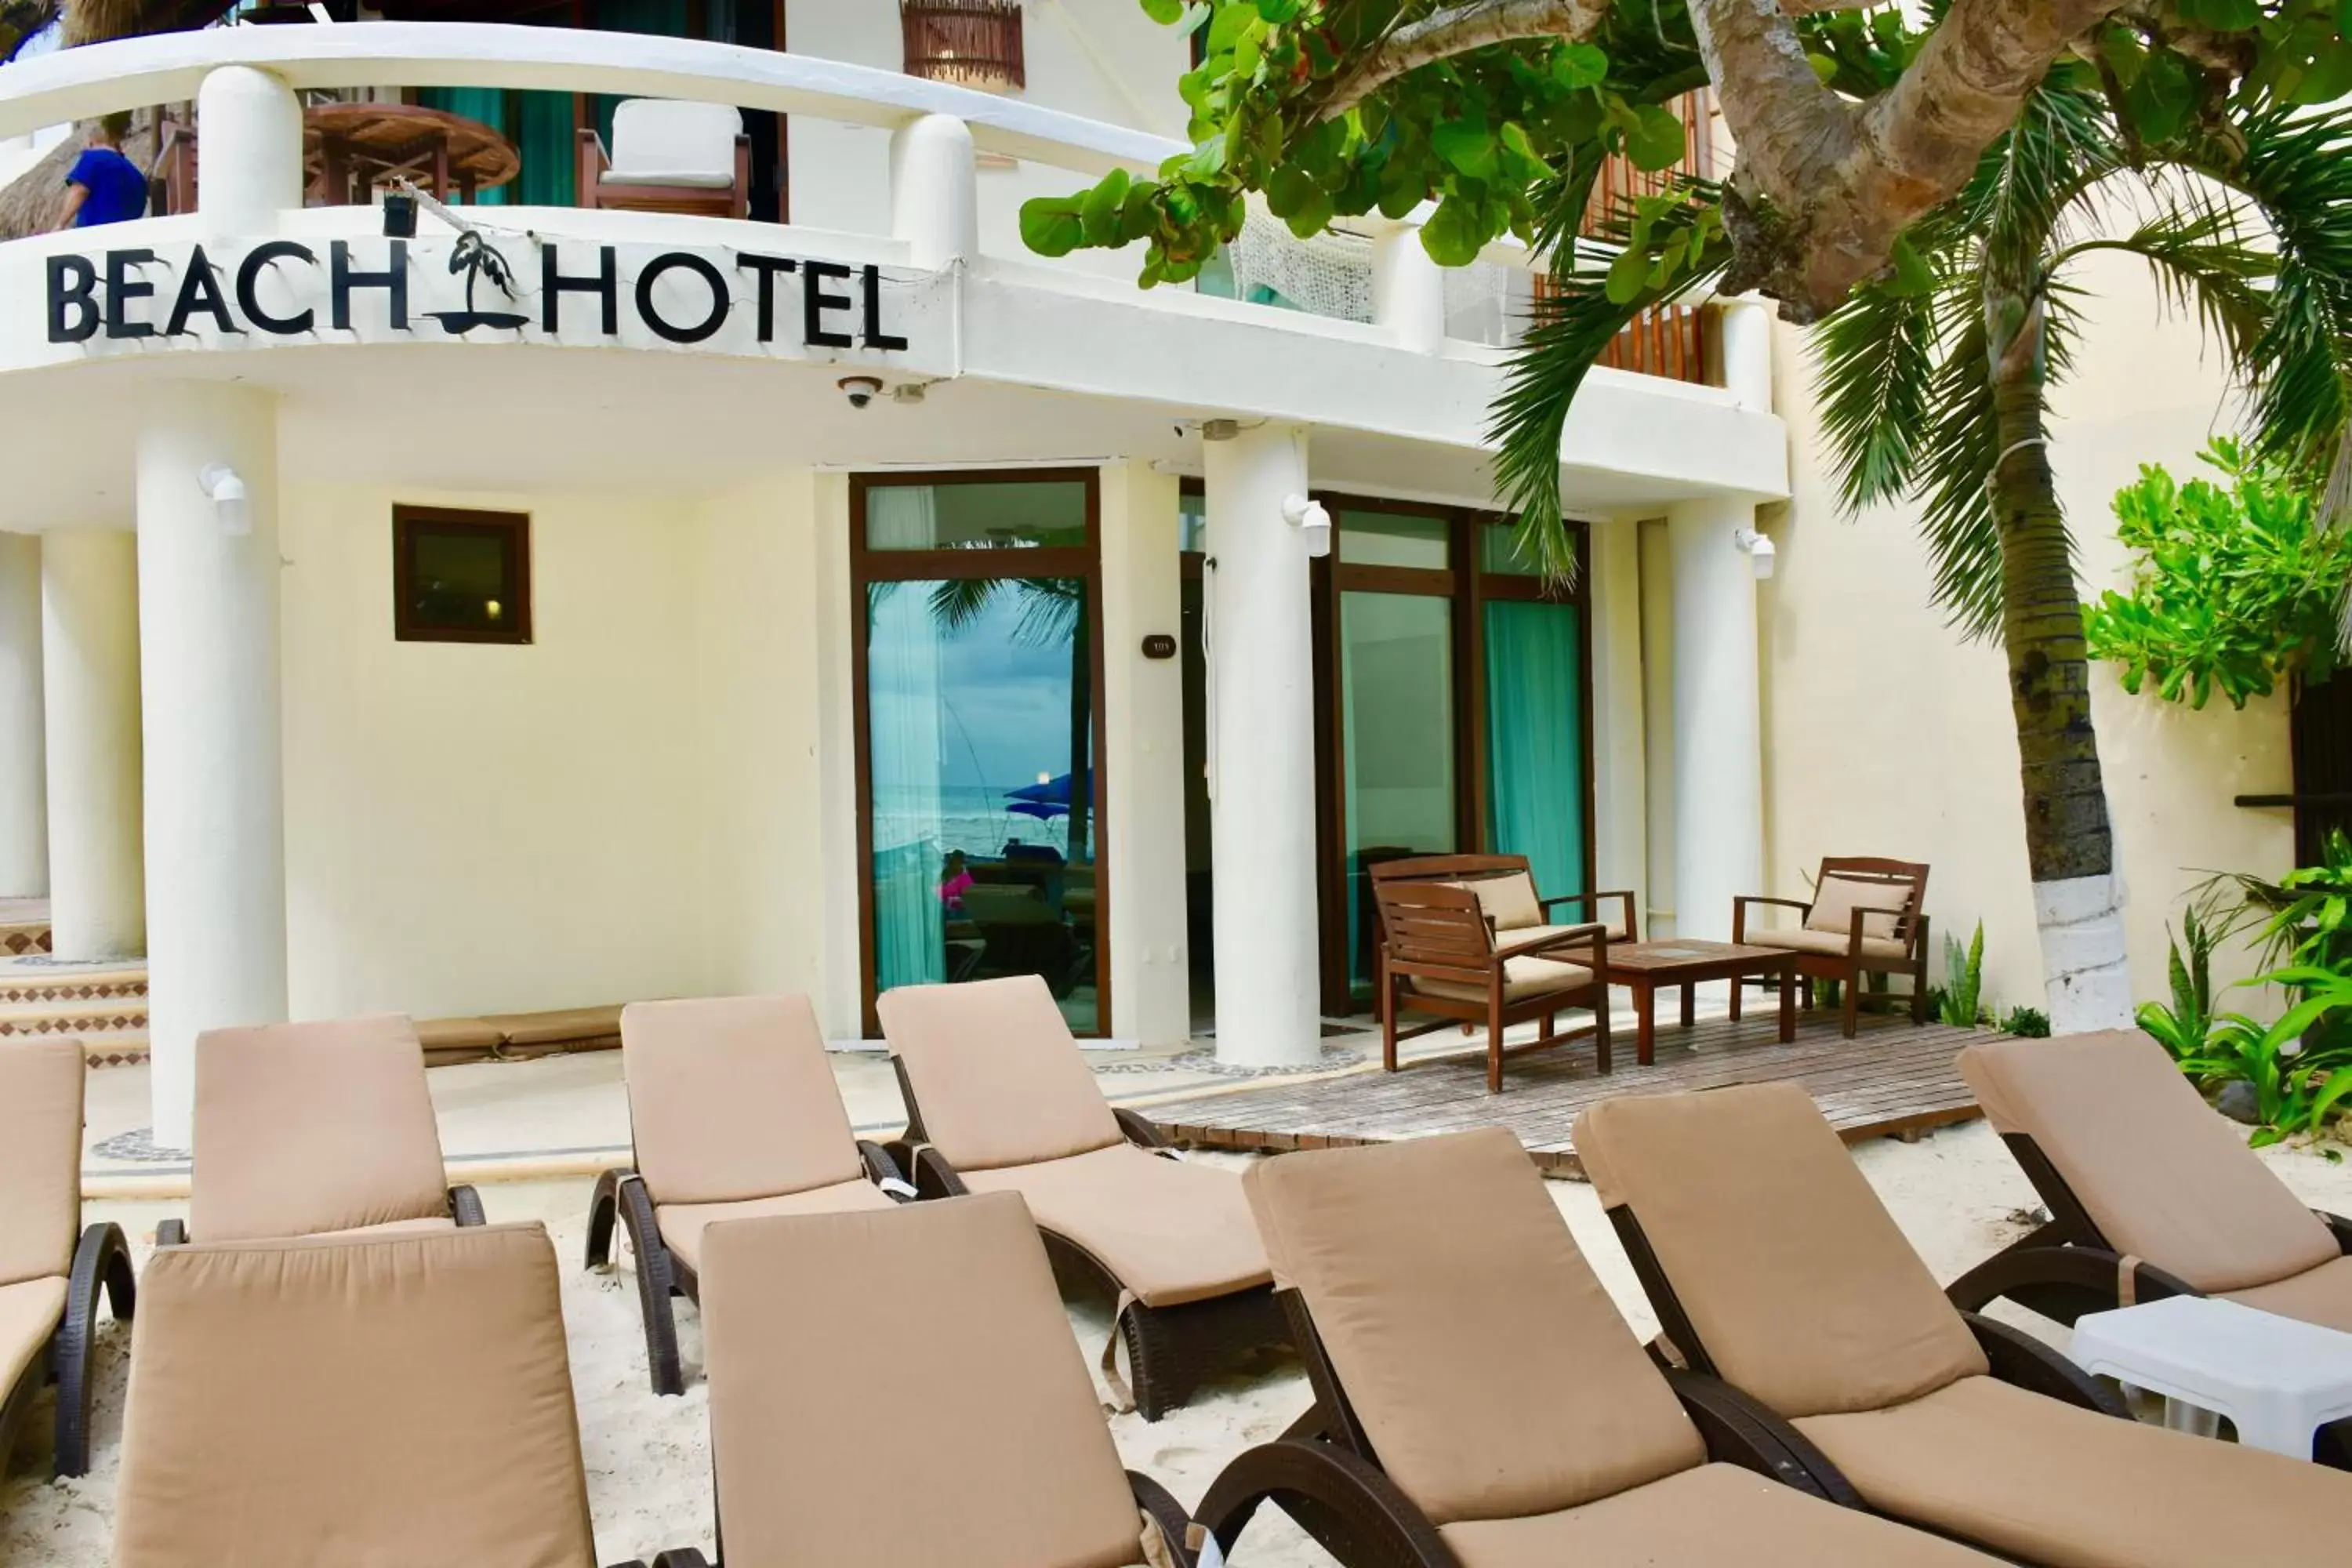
x,y
1876,372
2202,265
958,602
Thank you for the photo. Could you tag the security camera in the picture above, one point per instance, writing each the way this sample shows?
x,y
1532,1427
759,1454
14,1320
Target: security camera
x,y
860,390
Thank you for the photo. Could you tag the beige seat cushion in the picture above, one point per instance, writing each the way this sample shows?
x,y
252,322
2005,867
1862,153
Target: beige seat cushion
x,y
1510,900
394,1228
559,1026
40,1157
1171,1232
1492,1372
732,1097
30,1310
1836,944
1794,1276
683,1224
1706,1518
306,1128
2322,1296
996,1073
824,1335
2161,1173
1614,930
1837,899
364,1401
2052,1483
1523,979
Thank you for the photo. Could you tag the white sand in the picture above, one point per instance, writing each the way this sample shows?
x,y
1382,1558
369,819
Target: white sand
x,y
649,1458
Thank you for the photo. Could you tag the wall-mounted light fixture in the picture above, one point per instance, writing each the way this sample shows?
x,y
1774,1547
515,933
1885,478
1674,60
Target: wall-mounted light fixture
x,y
1759,551
230,504
1312,521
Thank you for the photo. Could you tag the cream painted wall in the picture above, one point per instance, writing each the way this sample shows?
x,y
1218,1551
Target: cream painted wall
x,y
1886,735
478,829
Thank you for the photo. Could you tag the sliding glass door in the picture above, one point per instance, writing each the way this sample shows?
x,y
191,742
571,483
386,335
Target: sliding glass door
x,y
979,716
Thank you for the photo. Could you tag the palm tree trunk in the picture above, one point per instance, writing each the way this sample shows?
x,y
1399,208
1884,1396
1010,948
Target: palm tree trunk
x,y
2069,844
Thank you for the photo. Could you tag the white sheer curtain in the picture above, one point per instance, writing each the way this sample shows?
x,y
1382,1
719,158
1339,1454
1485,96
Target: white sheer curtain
x,y
903,718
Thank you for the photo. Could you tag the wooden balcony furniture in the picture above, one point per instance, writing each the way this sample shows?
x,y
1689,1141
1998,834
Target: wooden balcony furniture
x,y
668,157
1505,887
1864,917
1442,954
349,149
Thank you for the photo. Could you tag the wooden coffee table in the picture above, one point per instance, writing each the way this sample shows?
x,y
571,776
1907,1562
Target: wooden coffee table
x,y
1642,967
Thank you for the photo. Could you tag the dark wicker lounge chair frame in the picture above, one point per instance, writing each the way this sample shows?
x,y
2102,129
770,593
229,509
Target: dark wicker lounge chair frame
x,y
464,1208
1905,882
1149,1496
101,1260
2066,1268
622,1193
1170,1349
1324,1474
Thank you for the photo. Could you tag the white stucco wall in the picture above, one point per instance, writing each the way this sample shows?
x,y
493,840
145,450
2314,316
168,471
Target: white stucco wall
x,y
1886,735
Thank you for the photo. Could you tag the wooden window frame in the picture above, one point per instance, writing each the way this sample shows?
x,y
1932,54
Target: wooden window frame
x,y
868,566
513,529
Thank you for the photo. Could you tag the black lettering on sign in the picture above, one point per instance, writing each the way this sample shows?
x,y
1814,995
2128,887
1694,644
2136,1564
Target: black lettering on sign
x,y
871,293
605,283
342,280
248,281
73,300
714,279
816,302
121,289
769,268
200,289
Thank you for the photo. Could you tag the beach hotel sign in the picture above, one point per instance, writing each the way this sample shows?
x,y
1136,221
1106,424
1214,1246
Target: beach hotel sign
x,y
479,289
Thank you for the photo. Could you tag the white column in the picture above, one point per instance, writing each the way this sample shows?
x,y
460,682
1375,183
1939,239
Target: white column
x,y
24,814
1143,761
1718,761
208,635
1262,762
934,194
250,124
89,632
1747,326
1408,290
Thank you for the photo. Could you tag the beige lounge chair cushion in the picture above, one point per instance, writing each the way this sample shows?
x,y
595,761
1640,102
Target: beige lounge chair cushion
x,y
996,1073
1836,944
1492,1372
361,1400
1508,901
2322,1296
1523,978
559,1026
1169,1231
1794,1276
732,1097
1837,899
2052,1483
826,1336
308,1128
2163,1176
30,1310
40,1157
1711,1517
683,1226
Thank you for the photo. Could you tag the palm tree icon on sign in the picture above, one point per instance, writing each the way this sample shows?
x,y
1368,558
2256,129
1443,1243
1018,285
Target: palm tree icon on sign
x,y
477,259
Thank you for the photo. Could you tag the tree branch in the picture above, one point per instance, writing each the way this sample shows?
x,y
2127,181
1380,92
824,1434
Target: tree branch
x,y
1457,30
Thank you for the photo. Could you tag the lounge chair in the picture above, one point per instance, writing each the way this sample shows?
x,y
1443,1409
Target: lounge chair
x,y
1773,1264
2151,1193
1441,954
361,1400
315,1128
1480,1403
998,1099
733,1112
1865,917
49,1281
829,1334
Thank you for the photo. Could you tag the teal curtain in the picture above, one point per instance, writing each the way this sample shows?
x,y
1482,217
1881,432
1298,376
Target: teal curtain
x,y
1535,739
541,130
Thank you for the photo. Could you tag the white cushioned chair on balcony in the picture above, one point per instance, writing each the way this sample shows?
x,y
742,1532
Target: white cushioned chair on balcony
x,y
669,157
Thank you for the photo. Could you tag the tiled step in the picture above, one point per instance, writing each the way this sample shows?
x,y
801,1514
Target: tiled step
x,y
24,926
103,1006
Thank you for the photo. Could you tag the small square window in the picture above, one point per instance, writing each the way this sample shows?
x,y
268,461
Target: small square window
x,y
460,576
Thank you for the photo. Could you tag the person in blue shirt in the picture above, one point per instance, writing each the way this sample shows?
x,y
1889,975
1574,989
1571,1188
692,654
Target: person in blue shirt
x,y
104,186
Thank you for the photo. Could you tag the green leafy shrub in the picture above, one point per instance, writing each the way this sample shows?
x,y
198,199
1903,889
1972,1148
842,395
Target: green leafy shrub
x,y
2029,1023
1961,1002
2182,1027
2237,588
2297,1086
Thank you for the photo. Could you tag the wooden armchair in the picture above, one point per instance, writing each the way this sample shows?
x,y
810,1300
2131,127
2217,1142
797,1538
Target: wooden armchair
x,y
1505,887
1864,917
669,157
1442,953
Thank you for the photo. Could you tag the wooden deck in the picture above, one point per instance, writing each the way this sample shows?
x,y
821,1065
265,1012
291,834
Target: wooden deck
x,y
1893,1078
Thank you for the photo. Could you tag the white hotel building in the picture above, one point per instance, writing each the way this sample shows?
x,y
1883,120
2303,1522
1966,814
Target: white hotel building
x,y
376,637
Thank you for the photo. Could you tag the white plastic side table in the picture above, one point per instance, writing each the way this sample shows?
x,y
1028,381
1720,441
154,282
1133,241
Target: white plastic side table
x,y
2278,1380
